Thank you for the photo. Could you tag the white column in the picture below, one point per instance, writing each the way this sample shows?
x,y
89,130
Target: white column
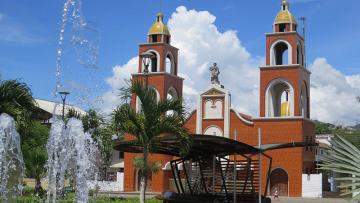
x,y
227,115
199,116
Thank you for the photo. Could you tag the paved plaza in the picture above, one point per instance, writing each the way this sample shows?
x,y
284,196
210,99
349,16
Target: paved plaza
x,y
310,200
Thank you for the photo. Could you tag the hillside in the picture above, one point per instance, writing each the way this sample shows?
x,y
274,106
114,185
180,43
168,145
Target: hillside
x,y
350,133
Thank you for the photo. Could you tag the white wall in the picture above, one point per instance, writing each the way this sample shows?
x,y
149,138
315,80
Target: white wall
x,y
111,186
213,109
312,185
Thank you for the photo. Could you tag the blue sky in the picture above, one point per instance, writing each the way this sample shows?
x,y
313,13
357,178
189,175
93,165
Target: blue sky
x,y
29,32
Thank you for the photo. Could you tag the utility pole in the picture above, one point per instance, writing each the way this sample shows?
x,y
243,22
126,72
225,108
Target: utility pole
x,y
235,175
303,20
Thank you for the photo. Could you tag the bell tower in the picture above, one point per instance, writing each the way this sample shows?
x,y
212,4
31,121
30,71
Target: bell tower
x,y
284,81
158,62
158,68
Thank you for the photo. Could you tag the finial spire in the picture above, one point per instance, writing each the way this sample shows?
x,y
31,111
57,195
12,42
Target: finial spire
x,y
160,17
285,5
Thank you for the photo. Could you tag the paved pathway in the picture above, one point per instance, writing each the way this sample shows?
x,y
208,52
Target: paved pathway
x,y
310,200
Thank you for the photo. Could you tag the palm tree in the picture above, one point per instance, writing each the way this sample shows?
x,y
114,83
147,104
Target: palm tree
x,y
149,124
344,159
17,101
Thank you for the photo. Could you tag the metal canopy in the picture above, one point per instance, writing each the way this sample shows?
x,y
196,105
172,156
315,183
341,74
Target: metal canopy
x,y
202,146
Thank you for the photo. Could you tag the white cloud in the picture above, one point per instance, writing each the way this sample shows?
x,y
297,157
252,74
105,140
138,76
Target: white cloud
x,y
116,81
333,95
201,43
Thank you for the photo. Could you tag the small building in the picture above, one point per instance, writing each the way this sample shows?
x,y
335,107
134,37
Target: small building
x,y
329,182
47,109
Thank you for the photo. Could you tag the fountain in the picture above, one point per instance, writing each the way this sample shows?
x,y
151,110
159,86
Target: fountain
x,y
70,151
11,160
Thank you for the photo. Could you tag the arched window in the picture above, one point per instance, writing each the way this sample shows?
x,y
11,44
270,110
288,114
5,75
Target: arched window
x,y
214,130
169,64
279,99
280,53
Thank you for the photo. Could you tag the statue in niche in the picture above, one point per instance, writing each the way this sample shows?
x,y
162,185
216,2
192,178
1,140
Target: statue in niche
x,y
215,72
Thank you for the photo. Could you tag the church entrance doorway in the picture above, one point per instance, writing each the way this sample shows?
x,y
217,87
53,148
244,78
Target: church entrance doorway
x,y
279,181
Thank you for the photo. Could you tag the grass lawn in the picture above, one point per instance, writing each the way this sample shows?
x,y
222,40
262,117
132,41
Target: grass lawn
x,y
27,199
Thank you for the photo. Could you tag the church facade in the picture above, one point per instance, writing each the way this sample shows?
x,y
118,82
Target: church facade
x,y
284,106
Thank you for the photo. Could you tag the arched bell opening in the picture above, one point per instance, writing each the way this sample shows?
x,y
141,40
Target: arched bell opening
x,y
304,101
281,53
299,54
154,65
279,99
170,64
282,27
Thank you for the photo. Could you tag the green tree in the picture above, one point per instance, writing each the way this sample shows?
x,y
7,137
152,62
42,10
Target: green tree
x,y
72,113
92,121
16,100
344,159
150,123
101,131
34,150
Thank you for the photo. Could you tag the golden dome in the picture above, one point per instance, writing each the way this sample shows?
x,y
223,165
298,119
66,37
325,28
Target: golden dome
x,y
159,26
284,16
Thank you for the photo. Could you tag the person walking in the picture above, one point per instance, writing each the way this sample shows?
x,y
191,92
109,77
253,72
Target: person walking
x,y
276,194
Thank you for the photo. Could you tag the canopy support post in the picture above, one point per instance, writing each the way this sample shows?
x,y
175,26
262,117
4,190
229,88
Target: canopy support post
x,y
260,175
173,172
213,173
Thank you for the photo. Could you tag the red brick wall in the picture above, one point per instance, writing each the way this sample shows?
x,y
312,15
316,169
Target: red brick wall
x,y
161,82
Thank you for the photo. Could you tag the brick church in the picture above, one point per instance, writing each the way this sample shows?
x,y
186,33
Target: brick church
x,y
284,105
